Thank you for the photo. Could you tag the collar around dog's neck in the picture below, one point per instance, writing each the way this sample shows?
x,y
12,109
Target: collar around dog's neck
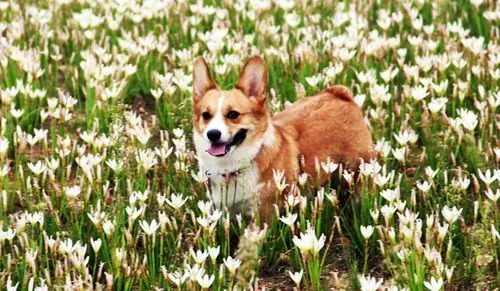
x,y
229,176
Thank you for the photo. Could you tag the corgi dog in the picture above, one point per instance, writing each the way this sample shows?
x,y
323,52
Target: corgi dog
x,y
240,146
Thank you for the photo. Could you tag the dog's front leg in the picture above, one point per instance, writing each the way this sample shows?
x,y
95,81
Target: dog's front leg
x,y
269,197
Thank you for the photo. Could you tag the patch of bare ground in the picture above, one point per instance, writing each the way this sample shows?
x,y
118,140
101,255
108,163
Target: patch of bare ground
x,y
336,273
143,106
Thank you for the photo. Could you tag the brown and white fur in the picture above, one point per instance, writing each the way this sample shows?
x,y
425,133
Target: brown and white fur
x,y
238,151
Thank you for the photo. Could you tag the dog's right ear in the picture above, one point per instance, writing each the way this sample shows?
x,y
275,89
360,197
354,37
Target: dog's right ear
x,y
202,82
253,79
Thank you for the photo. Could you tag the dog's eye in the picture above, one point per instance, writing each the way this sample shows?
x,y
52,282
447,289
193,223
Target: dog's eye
x,y
206,115
233,114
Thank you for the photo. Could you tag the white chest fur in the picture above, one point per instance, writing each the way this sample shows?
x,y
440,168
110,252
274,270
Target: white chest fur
x,y
236,190
235,177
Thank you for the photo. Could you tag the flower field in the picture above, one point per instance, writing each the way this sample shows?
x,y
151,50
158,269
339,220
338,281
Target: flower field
x,y
99,181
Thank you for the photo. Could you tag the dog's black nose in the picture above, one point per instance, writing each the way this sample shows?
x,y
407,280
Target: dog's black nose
x,y
213,135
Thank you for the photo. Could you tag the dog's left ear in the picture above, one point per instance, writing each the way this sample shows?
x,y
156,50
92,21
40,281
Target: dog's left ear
x,y
202,82
253,79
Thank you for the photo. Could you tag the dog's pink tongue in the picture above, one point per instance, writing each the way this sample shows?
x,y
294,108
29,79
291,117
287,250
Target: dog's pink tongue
x,y
217,149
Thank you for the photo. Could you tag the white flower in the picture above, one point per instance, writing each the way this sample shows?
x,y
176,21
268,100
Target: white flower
x,y
9,286
389,194
256,234
494,233
192,272
16,113
142,134
198,256
418,93
374,214
449,273
156,93
221,69
320,195
332,197
213,252
369,283
96,244
52,163
406,136
468,119
149,228
205,207
434,285
496,150
72,192
360,99
437,104
389,74
4,146
476,3
381,179
182,80
108,227
286,4
34,218
146,158
383,147
289,219
430,172
164,152
292,19
231,264
488,178
138,195
303,179
9,234
296,277
214,216
388,211
178,132
451,214
115,165
329,166
205,281
199,177
423,186
461,183
280,180
399,154
37,168
380,93
441,88
313,81
442,230
493,196
308,242
176,201
134,212
177,278
345,54
206,223
366,231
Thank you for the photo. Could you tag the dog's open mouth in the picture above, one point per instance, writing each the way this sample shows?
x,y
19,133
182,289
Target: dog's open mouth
x,y
220,149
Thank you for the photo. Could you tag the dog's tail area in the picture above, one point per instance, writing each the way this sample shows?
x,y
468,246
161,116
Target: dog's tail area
x,y
340,91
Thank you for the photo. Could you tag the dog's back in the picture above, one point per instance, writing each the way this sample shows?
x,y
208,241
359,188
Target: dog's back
x,y
329,124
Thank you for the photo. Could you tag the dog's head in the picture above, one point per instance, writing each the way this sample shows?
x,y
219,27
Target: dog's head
x,y
226,120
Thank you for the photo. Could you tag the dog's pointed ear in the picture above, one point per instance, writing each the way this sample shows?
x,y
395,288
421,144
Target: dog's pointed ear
x,y
253,79
202,82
